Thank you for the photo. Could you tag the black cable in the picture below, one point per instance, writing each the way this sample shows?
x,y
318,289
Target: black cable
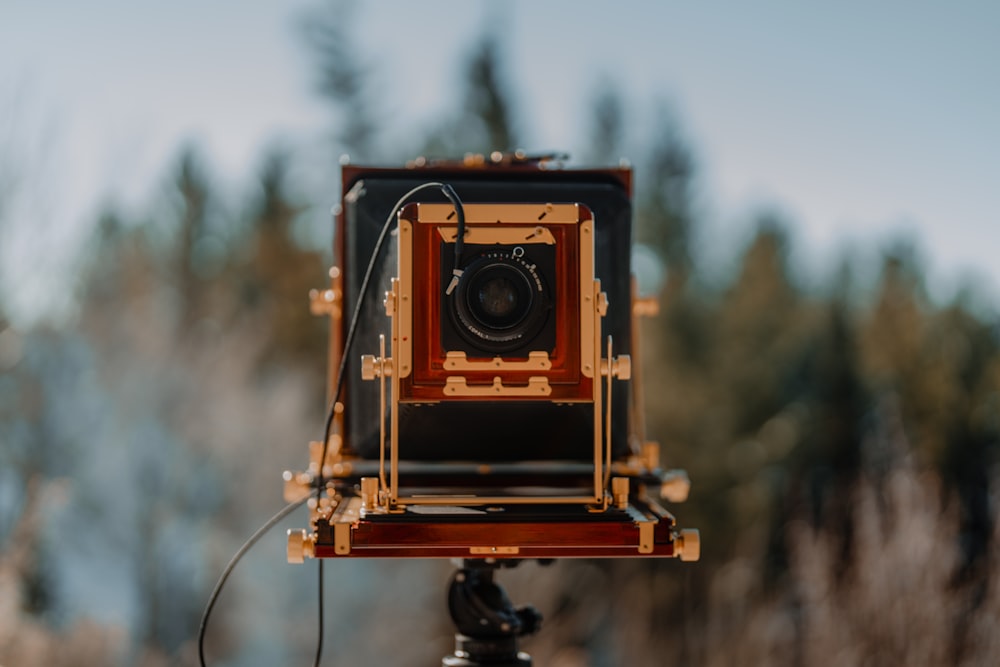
x,y
449,192
331,411
291,507
456,269
319,618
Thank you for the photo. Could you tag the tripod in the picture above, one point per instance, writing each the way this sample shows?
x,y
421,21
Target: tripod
x,y
487,622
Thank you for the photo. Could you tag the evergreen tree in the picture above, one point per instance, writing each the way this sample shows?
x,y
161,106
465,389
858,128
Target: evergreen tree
x,y
895,327
666,204
824,463
277,273
962,357
761,328
488,98
188,226
486,120
607,120
342,78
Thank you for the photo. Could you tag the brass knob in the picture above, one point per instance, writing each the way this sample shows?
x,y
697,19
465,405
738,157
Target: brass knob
x,y
687,545
622,368
647,306
369,365
300,546
602,303
619,492
651,455
675,486
373,367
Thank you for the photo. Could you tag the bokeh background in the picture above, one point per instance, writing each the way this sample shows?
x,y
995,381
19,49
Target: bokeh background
x,y
817,211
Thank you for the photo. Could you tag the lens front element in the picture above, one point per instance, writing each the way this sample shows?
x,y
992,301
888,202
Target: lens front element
x,y
499,297
501,302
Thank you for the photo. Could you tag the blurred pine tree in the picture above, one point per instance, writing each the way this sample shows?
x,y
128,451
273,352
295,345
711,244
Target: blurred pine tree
x,y
276,275
665,219
607,120
194,354
485,120
343,78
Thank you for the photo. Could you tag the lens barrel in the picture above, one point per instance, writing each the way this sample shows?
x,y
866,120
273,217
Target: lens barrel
x,y
501,302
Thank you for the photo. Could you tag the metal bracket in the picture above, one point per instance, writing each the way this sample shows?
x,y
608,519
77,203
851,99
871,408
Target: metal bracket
x,y
493,551
502,235
646,537
342,523
537,361
342,538
537,386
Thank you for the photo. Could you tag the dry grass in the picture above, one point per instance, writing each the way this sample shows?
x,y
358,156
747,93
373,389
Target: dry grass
x,y
897,601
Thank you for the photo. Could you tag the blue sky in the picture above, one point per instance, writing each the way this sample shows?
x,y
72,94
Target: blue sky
x,y
861,121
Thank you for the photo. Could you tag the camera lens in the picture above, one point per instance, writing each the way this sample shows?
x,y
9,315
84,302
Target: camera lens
x,y
501,302
498,297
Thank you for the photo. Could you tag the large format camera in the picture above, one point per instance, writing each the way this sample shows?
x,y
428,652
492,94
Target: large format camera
x,y
484,402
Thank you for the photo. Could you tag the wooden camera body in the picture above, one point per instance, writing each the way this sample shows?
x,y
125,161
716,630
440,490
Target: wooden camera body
x,y
489,407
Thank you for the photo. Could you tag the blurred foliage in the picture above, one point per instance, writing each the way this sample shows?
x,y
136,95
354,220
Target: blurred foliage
x,y
843,449
341,78
485,119
666,206
607,131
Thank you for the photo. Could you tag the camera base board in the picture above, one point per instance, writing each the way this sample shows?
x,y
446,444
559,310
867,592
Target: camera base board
x,y
515,531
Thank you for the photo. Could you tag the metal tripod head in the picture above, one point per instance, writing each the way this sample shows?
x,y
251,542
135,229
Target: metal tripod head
x,y
488,623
